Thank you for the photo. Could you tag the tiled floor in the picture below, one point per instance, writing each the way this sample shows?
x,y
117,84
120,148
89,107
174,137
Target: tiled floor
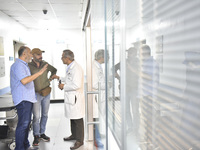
x,y
57,128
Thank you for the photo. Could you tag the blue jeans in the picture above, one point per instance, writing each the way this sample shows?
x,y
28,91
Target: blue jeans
x,y
24,112
40,107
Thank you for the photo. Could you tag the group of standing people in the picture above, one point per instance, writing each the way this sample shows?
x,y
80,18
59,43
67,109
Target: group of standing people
x,y
142,76
30,89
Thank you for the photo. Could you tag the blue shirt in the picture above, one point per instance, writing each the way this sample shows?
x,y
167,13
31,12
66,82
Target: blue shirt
x,y
69,66
20,70
151,68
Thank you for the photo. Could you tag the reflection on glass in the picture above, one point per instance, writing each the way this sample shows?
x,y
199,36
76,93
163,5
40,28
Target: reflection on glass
x,y
99,104
149,84
162,79
132,75
190,123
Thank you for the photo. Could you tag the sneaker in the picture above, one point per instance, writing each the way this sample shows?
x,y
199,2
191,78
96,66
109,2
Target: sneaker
x,y
44,138
36,140
98,144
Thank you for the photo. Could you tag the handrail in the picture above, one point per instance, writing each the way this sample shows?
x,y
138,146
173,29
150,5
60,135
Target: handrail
x,y
86,107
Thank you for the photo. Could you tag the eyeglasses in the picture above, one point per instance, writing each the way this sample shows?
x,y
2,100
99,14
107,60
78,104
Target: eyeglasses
x,y
63,57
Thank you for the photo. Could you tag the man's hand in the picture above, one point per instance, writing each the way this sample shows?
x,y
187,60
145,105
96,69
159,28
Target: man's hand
x,y
43,69
55,77
61,86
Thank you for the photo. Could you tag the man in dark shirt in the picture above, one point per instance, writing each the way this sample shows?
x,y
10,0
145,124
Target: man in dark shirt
x,y
132,78
42,90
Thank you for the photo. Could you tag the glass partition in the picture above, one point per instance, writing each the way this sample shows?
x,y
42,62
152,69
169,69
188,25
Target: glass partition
x,y
161,81
113,84
151,74
98,72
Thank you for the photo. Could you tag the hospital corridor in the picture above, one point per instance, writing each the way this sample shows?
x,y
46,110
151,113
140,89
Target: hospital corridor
x,y
99,75
57,128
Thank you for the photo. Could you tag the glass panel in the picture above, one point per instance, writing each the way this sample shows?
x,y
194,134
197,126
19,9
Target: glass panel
x,y
165,113
159,102
98,72
113,49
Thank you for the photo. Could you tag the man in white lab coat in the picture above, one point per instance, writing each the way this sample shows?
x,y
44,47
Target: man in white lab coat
x,y
98,78
74,100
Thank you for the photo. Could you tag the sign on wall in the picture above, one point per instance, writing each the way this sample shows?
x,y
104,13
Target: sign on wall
x,y
2,67
1,47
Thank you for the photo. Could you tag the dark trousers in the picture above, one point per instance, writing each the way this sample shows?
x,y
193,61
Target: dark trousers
x,y
77,129
24,112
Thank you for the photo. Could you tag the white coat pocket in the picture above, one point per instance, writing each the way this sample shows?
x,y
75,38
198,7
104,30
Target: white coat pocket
x,y
71,99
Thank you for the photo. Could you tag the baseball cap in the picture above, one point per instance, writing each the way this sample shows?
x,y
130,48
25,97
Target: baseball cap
x,y
36,51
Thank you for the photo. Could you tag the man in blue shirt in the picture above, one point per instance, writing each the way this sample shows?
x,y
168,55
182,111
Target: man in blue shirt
x,y
23,94
149,84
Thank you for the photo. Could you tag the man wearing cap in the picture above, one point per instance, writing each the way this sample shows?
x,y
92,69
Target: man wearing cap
x,y
132,78
42,90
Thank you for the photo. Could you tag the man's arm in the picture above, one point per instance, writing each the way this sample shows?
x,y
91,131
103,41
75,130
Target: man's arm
x,y
52,69
34,76
117,67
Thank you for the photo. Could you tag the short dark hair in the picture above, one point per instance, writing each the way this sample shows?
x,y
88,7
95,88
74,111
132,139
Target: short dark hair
x,y
21,50
145,49
68,53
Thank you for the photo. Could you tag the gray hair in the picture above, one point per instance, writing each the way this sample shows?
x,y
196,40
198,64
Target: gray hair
x,y
132,50
99,54
68,53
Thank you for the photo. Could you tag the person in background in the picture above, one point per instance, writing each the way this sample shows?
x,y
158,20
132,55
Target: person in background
x,y
74,100
149,85
132,79
42,90
23,94
190,120
98,78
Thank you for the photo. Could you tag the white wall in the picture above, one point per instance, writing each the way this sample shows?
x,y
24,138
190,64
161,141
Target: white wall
x,y
9,30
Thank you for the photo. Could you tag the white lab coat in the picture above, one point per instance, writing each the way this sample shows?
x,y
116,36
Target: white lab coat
x,y
98,77
74,100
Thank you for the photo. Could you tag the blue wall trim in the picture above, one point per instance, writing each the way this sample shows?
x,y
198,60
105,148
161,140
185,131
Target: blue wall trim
x,y
4,90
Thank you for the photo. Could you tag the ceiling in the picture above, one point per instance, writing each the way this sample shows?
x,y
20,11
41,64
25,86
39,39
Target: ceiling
x,y
61,14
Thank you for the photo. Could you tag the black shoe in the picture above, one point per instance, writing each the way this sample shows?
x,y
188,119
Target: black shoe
x,y
36,140
44,138
69,138
77,145
32,148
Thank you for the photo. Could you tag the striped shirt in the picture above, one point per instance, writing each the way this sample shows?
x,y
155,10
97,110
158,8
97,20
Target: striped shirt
x,y
19,70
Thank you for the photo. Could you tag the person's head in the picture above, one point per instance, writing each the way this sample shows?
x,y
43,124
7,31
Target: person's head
x,y
99,56
37,54
132,52
67,56
24,53
145,51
